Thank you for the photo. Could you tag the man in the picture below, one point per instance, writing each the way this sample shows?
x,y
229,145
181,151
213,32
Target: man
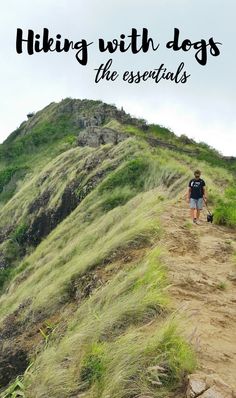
x,y
196,195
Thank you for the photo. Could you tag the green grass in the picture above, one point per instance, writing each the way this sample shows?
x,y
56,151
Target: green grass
x,y
43,133
132,173
92,366
132,225
117,197
225,211
5,276
109,349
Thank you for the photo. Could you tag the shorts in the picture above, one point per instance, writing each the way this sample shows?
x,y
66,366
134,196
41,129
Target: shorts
x,y
196,203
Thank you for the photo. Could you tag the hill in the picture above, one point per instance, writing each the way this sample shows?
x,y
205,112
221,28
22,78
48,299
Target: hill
x,y
86,309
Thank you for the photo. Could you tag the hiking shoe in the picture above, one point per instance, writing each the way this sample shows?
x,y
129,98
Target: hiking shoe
x,y
195,221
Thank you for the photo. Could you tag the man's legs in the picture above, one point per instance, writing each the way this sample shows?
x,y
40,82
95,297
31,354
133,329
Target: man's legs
x,y
193,209
194,213
199,207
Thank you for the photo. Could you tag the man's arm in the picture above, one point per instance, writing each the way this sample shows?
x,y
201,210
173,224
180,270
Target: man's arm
x,y
188,194
204,193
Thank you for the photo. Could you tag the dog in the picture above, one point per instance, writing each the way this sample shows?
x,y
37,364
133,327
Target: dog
x,y
210,218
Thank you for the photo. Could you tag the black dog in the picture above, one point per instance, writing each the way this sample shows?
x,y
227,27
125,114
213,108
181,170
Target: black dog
x,y
210,217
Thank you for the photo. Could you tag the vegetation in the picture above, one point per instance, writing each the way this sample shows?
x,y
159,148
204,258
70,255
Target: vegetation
x,y
225,211
109,338
97,281
5,276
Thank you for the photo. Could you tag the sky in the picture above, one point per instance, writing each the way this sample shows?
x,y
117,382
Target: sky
x,y
203,108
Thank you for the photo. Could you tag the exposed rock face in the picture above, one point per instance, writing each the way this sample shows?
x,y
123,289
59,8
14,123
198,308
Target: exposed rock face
x,y
207,386
12,363
95,136
45,219
40,202
86,113
18,341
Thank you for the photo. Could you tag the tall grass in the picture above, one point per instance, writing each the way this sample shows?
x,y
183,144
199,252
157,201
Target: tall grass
x,y
109,349
225,211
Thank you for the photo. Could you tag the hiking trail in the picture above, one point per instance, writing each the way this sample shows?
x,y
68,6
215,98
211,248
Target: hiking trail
x,y
202,274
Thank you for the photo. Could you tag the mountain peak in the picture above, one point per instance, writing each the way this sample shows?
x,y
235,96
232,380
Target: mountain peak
x,y
81,112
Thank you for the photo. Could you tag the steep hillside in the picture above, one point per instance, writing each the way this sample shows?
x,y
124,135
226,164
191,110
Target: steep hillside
x,y
85,308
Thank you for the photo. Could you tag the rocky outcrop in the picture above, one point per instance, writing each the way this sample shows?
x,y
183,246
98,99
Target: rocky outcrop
x,y
96,136
81,114
47,220
87,113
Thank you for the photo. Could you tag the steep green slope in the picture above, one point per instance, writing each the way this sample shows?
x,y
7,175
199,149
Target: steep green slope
x,y
84,299
49,132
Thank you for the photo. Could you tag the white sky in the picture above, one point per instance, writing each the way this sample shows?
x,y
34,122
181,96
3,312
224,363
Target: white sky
x,y
204,108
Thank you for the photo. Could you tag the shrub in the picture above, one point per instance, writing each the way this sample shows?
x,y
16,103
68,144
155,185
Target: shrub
x,y
6,175
92,367
19,235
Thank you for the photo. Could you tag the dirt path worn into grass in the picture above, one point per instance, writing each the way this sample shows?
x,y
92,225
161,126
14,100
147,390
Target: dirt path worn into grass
x,y
203,286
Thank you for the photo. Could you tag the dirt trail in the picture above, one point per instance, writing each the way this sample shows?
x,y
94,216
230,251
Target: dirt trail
x,y
202,273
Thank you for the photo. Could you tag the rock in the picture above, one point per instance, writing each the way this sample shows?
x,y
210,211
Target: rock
x,y
207,386
212,393
185,140
96,136
41,201
196,386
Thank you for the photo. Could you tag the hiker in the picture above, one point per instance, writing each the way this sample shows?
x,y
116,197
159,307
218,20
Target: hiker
x,y
196,195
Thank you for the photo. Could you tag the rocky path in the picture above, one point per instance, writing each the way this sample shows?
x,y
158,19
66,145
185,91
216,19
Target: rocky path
x,y
202,271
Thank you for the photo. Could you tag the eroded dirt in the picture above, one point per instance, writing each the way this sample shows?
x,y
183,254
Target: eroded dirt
x,y
201,271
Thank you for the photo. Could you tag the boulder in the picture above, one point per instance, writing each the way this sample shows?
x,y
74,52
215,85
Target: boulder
x,y
208,386
96,136
196,386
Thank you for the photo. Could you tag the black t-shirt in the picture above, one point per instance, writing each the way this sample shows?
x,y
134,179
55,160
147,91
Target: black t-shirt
x,y
196,188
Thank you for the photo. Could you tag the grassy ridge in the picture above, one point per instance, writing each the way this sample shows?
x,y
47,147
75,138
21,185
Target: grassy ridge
x,y
110,350
119,339
92,226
